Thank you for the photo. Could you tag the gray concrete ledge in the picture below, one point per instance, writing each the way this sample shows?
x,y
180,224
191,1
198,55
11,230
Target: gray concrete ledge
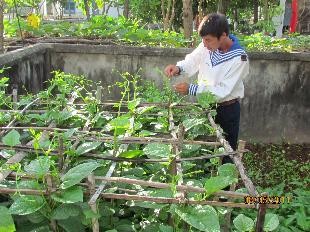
x,y
15,56
119,50
152,51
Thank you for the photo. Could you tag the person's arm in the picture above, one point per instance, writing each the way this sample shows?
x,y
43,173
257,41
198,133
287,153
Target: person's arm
x,y
190,64
222,89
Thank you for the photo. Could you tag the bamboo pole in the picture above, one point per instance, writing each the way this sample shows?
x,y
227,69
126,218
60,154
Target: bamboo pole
x,y
262,208
8,127
15,98
227,217
129,140
93,205
166,200
143,198
26,148
182,187
147,140
50,189
23,191
237,160
176,168
121,149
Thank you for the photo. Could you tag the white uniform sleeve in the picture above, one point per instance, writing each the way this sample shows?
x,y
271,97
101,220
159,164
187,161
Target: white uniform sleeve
x,y
223,88
190,64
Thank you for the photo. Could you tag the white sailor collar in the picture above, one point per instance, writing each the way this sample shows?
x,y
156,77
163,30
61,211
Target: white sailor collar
x,y
235,50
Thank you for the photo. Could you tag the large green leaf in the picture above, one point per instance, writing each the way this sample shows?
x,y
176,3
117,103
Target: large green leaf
x,y
105,210
131,154
78,173
6,220
11,139
206,99
271,222
228,170
38,167
146,133
216,183
165,228
157,150
65,211
72,224
202,217
243,223
29,184
144,109
122,122
138,172
24,205
133,104
303,219
147,205
36,217
86,147
69,195
191,122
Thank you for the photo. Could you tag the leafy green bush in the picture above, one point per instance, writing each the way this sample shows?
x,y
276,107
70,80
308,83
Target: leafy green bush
x,y
131,32
120,30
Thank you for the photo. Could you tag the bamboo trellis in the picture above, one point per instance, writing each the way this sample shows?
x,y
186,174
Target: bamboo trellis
x,y
96,184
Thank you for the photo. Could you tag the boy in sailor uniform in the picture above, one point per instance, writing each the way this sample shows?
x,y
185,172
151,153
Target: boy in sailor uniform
x,y
221,64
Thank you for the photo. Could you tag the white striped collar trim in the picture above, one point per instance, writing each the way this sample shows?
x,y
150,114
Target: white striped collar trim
x,y
216,57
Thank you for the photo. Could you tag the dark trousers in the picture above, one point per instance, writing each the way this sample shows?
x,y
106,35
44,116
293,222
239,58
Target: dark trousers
x,y
228,117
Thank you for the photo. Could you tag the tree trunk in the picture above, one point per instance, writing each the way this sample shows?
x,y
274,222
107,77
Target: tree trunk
x,y
255,8
1,26
126,9
236,19
303,15
95,9
86,8
187,18
222,6
265,10
168,14
200,10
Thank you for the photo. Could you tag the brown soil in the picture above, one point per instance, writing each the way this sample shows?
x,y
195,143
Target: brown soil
x,y
298,152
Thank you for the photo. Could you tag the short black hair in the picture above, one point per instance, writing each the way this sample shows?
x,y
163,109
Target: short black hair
x,y
213,24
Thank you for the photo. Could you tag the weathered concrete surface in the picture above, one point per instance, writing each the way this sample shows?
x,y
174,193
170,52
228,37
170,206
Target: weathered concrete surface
x,y
277,97
27,68
105,63
277,101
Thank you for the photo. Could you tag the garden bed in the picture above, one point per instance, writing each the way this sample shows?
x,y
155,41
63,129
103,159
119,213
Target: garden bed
x,y
63,150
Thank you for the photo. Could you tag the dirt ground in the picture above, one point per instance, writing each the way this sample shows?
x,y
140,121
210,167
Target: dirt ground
x,y
270,164
298,152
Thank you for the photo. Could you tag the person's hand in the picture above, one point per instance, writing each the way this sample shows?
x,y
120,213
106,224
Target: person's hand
x,y
171,70
182,88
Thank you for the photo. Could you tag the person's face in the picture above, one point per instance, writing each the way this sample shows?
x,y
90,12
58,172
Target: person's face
x,y
212,43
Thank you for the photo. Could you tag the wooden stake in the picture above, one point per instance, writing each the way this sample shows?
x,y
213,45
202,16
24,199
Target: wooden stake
x,y
15,98
93,206
261,216
99,94
227,217
50,189
166,200
237,160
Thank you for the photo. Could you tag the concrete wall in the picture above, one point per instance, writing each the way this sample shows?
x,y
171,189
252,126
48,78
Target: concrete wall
x,y
27,68
277,97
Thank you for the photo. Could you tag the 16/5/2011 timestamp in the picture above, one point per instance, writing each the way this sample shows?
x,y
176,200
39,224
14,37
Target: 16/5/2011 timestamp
x,y
267,199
